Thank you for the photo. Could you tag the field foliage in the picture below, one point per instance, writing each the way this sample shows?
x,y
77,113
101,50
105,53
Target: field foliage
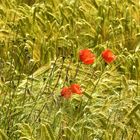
x,y
39,45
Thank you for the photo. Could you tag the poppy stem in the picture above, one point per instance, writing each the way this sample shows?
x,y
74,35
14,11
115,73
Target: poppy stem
x,y
77,70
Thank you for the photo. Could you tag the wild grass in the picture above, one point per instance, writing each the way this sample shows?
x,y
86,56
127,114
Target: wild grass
x,y
39,45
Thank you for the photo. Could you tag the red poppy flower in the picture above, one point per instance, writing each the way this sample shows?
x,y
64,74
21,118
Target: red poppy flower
x,y
108,56
86,56
66,92
75,88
